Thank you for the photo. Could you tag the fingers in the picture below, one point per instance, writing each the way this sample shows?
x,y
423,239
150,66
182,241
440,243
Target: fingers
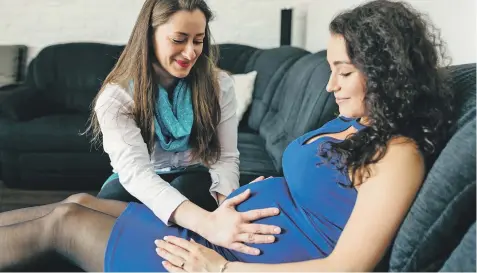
x,y
169,257
244,249
180,242
260,178
259,229
252,238
174,254
234,201
172,268
253,215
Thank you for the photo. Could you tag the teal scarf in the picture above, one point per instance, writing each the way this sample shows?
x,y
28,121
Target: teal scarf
x,y
173,122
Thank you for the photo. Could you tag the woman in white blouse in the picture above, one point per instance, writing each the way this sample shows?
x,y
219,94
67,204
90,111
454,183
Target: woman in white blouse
x,y
166,112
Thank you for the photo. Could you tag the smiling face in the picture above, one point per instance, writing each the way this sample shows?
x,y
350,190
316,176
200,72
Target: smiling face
x,y
346,82
179,42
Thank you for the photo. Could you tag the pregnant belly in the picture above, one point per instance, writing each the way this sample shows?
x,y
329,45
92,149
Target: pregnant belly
x,y
294,243
263,194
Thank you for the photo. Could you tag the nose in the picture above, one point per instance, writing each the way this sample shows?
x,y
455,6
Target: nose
x,y
332,85
189,52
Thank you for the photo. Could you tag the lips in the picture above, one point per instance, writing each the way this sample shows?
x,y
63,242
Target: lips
x,y
183,64
340,100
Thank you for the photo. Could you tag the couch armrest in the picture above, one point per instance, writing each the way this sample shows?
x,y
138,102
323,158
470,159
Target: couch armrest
x,y
22,103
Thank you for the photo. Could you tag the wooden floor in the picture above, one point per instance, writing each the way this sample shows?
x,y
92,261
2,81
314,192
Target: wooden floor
x,y
11,199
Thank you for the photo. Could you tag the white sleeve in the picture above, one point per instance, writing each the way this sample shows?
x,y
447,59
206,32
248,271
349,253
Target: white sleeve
x,y
123,142
225,172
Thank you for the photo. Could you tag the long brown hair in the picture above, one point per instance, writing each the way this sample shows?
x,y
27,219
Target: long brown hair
x,y
135,63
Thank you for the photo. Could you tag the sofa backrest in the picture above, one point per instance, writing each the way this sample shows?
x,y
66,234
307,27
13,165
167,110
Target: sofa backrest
x,y
445,207
289,96
300,104
271,66
70,75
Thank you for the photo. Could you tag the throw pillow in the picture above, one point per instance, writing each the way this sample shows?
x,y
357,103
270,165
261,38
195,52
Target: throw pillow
x,y
244,84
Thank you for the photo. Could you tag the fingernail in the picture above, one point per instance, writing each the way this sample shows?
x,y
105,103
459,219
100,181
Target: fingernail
x,y
276,211
156,242
165,238
256,251
271,238
164,263
277,230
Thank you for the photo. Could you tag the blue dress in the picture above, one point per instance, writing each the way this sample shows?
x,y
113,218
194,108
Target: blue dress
x,y
314,208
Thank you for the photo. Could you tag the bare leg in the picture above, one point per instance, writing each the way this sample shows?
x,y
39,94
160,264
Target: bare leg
x,y
79,233
110,207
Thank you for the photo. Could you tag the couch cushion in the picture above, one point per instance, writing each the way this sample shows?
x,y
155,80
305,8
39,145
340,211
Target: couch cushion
x,y
78,171
443,209
234,58
271,66
254,159
445,206
71,74
462,258
462,80
59,133
300,104
22,103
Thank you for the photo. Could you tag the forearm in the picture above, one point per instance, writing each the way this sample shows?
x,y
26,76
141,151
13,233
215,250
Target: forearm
x,y
306,266
190,216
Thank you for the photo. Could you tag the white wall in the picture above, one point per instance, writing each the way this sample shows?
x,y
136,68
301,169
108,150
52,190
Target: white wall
x,y
37,23
455,18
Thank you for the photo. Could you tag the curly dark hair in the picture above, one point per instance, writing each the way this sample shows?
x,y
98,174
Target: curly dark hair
x,y
403,60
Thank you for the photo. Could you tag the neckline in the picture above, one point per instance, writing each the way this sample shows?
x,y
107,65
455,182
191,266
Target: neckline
x,y
351,122
354,122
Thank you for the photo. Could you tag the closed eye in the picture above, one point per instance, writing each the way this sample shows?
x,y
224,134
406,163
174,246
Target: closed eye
x,y
183,41
178,41
345,74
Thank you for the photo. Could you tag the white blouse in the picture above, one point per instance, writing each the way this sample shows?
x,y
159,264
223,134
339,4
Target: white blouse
x,y
126,148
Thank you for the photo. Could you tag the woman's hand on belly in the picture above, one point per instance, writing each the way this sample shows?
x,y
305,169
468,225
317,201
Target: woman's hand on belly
x,y
229,228
181,255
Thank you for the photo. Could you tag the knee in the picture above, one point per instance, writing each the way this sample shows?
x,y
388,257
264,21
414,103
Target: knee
x,y
80,198
61,220
66,210
62,214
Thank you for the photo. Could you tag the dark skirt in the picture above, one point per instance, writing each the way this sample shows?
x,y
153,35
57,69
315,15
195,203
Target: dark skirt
x,y
193,182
